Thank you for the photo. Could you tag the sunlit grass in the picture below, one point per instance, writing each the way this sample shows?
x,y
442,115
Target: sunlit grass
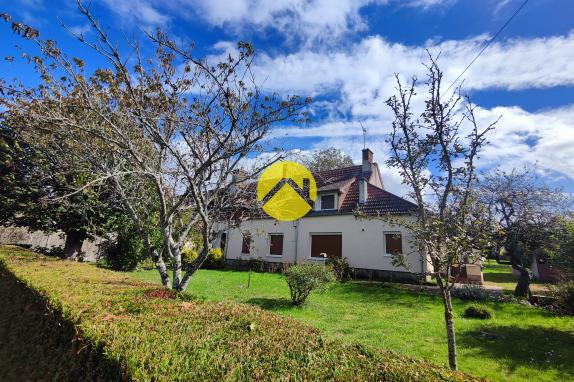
x,y
520,343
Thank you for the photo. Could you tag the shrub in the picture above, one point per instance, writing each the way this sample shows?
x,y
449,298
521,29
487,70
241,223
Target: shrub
x,y
126,251
472,292
213,260
188,254
257,265
340,267
478,311
303,278
564,294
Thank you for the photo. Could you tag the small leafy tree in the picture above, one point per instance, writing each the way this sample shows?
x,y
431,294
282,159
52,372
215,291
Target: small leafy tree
x,y
435,155
561,248
522,211
303,278
124,249
33,184
326,159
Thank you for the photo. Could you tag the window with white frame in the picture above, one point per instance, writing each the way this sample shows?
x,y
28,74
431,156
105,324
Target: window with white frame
x,y
393,242
327,201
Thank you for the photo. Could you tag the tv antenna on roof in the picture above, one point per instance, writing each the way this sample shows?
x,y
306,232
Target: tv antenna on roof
x,y
364,135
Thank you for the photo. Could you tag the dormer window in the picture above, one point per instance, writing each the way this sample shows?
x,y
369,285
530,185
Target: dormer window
x,y
327,202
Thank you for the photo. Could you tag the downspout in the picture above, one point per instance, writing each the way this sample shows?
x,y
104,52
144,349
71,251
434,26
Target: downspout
x,y
296,226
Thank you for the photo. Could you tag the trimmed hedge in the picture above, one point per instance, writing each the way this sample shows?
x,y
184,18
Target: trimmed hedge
x,y
106,326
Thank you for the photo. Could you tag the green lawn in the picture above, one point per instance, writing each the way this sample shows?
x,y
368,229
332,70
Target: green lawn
x,y
69,321
519,343
501,276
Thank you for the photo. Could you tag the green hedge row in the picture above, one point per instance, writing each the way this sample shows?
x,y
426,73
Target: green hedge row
x,y
104,325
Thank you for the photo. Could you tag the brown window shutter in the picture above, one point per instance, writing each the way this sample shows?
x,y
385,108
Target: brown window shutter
x,y
276,245
246,244
393,243
332,245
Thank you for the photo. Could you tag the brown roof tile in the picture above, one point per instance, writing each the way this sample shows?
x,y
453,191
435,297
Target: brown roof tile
x,y
346,181
379,202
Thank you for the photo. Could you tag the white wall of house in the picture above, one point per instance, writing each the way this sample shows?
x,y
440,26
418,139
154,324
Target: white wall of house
x,y
362,241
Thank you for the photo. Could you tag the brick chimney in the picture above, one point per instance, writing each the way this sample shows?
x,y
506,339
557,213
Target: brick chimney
x,y
367,161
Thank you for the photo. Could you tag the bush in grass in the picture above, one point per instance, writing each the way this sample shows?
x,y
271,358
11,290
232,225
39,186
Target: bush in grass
x,y
256,265
126,251
340,267
564,294
303,278
472,293
478,311
214,257
188,254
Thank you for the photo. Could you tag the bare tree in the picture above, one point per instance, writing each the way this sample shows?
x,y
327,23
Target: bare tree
x,y
167,132
326,159
436,155
522,210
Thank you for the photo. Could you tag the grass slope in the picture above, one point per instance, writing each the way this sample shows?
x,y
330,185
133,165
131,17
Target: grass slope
x,y
520,343
141,337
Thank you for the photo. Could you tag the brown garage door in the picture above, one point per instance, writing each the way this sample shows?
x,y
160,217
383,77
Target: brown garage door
x,y
329,244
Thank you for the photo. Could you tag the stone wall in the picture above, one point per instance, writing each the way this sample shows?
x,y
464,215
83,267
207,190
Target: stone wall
x,y
38,239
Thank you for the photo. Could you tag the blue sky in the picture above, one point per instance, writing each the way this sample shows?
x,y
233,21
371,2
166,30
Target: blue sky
x,y
344,54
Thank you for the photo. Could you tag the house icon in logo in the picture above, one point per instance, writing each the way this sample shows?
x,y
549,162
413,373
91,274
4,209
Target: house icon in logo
x,y
286,191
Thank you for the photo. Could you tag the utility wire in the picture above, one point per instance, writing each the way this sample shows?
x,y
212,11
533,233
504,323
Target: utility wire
x,y
488,43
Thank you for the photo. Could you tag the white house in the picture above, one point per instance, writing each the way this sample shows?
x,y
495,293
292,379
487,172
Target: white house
x,y
333,228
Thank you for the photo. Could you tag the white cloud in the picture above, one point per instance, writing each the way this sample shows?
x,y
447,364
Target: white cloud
x,y
500,5
308,20
80,29
362,78
140,11
522,138
545,139
514,64
364,73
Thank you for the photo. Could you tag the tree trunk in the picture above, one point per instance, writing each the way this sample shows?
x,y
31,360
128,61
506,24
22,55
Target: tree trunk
x,y
450,333
73,245
523,287
191,269
194,266
176,270
161,268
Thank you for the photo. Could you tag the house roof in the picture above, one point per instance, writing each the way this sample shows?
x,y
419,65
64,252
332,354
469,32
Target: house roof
x,y
379,202
346,182
340,175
